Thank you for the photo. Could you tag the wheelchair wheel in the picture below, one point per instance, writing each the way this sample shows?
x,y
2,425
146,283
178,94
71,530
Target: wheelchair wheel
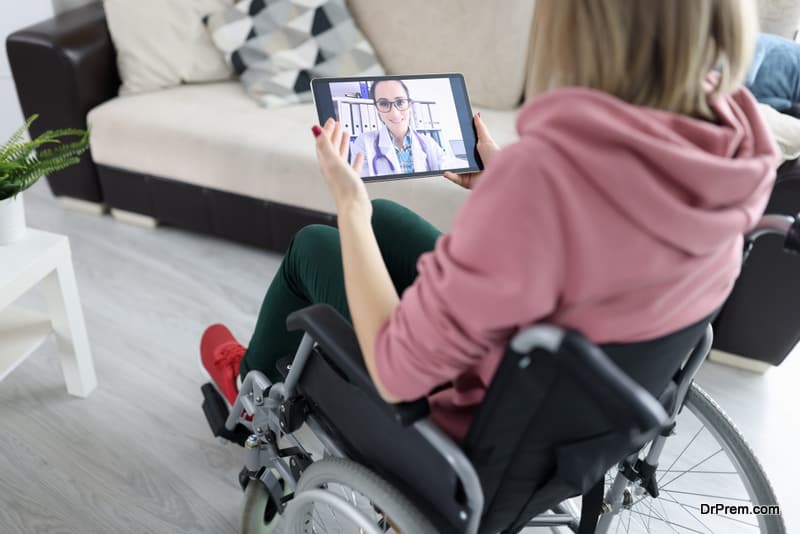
x,y
705,465
343,497
259,513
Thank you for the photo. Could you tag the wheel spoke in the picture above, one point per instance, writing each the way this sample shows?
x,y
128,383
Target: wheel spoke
x,y
681,454
650,516
690,469
707,495
700,472
673,524
717,516
664,517
630,516
688,511
359,501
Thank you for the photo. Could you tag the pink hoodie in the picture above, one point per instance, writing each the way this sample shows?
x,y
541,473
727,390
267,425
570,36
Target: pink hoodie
x,y
619,221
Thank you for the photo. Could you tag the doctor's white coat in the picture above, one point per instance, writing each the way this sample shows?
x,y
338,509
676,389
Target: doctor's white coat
x,y
380,157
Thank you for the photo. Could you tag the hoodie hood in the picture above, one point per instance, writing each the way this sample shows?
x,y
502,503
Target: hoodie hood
x,y
685,181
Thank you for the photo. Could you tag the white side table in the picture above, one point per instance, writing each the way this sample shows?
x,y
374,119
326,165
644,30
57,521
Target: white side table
x,y
43,259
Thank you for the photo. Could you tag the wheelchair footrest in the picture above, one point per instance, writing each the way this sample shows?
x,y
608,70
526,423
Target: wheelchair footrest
x,y
216,410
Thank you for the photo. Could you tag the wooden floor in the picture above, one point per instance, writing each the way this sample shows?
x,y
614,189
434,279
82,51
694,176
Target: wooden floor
x,y
137,455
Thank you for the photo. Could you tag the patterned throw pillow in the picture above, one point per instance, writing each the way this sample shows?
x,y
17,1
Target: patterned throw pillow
x,y
278,46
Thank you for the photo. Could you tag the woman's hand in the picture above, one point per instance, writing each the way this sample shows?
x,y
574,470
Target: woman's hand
x,y
486,148
344,180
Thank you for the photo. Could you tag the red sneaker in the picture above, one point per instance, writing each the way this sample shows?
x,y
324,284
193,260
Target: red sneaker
x,y
220,355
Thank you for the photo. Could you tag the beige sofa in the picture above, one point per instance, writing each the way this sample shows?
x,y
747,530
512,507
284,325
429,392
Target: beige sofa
x,y
207,157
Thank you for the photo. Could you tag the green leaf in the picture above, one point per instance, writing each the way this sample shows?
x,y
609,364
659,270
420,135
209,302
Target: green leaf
x,y
72,149
24,151
16,136
39,169
22,163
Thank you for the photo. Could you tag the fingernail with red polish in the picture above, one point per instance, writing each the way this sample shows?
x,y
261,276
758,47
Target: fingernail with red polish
x,y
316,130
479,114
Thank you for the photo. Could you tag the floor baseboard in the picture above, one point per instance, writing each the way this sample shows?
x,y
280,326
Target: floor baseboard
x,y
739,362
83,206
135,219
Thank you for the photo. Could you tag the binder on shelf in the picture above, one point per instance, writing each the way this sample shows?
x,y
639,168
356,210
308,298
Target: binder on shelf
x,y
355,109
419,122
436,121
366,119
373,117
345,118
426,115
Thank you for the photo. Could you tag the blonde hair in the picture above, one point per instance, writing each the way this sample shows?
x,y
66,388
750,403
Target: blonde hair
x,y
654,53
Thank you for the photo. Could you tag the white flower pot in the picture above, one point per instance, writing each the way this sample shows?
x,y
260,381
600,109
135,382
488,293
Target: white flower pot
x,y
12,220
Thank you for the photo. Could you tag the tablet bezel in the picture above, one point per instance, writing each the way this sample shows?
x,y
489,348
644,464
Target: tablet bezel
x,y
320,92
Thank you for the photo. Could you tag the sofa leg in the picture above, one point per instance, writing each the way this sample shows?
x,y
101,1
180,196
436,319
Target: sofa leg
x,y
83,206
739,362
135,219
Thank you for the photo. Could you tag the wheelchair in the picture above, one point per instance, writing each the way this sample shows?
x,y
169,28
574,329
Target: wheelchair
x,y
571,436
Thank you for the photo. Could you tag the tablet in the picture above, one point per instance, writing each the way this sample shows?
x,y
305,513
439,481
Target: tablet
x,y
405,126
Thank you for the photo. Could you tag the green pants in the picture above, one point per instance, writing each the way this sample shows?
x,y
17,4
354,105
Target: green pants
x,y
311,273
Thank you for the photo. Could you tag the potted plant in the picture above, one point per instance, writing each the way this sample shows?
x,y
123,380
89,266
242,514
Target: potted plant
x,y
23,162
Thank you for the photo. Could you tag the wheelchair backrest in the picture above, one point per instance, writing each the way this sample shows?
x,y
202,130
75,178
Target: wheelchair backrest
x,y
540,437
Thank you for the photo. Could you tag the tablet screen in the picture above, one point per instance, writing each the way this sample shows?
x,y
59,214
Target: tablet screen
x,y
405,126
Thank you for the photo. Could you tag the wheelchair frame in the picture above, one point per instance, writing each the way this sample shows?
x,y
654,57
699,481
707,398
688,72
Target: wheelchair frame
x,y
275,414
262,451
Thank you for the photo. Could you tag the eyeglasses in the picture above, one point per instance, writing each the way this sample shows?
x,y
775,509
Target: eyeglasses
x,y
385,106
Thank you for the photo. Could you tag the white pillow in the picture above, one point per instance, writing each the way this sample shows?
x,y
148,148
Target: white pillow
x,y
785,129
163,43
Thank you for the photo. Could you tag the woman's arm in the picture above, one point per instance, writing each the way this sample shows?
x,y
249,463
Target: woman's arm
x,y
371,295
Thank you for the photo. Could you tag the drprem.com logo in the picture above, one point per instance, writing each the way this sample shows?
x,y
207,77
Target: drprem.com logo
x,y
723,509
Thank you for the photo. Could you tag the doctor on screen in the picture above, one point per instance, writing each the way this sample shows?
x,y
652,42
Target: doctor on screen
x,y
396,147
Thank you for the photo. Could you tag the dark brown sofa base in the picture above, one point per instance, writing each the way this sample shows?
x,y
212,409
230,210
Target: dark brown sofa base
x,y
761,318
269,225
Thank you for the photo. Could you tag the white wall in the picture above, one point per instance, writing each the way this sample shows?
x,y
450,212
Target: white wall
x,y
63,5
15,14
781,17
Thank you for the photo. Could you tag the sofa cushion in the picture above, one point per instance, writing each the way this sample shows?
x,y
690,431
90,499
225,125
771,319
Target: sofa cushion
x,y
162,43
781,17
785,129
277,47
486,41
214,136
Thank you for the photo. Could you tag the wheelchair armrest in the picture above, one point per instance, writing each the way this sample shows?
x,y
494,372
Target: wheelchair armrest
x,y
589,365
605,381
338,341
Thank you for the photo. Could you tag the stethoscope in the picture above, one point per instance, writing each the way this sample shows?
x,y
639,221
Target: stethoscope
x,y
379,154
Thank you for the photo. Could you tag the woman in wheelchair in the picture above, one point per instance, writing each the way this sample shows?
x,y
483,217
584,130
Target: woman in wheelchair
x,y
619,212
